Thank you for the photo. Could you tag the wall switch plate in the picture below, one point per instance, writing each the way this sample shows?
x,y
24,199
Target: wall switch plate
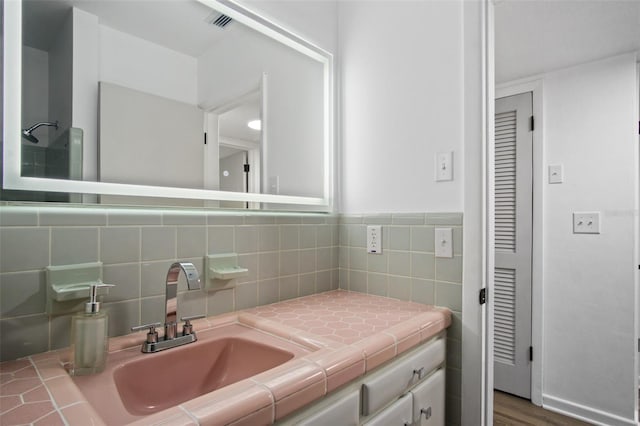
x,y
374,239
444,166
556,173
274,185
443,242
586,222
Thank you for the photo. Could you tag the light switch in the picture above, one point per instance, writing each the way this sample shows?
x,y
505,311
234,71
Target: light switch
x,y
374,239
586,222
444,242
274,185
556,173
444,166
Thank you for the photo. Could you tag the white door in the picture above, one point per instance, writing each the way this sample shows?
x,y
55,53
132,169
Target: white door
x,y
513,230
233,176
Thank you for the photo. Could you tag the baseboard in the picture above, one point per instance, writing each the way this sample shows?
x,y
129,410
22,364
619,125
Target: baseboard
x,y
582,412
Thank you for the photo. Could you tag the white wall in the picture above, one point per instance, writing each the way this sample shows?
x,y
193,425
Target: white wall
x,y
86,62
402,101
60,75
589,292
141,65
409,73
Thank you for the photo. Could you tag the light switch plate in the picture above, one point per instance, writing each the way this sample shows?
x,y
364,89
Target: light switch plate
x,y
444,166
374,239
586,222
443,242
556,173
274,185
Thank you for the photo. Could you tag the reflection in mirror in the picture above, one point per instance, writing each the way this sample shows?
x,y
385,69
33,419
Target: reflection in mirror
x,y
158,108
240,134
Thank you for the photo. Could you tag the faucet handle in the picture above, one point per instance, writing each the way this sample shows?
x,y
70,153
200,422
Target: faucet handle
x,y
152,335
187,328
192,317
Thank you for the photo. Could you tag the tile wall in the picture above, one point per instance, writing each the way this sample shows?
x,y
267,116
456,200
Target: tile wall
x,y
287,256
407,269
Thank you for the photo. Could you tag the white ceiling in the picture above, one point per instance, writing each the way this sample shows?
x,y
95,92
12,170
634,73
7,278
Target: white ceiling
x,y
179,25
536,36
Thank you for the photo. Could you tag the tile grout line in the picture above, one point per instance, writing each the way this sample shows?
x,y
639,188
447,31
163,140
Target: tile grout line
x,y
53,402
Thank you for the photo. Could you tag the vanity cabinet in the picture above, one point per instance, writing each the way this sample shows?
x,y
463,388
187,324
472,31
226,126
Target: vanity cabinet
x,y
382,386
428,401
344,411
409,390
400,413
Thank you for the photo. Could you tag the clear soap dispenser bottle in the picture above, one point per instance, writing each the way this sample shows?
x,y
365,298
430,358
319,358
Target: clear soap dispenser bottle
x,y
89,336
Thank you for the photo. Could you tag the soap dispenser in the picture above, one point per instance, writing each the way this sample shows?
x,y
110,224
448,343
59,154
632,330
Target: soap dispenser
x,y
89,336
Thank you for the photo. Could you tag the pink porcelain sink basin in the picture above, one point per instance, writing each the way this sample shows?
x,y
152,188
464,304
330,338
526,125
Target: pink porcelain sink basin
x,y
135,385
151,384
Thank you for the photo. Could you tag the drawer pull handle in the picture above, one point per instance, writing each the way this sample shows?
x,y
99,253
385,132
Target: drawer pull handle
x,y
418,372
427,413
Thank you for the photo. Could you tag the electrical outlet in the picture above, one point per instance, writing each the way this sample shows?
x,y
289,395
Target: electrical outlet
x,y
586,222
374,239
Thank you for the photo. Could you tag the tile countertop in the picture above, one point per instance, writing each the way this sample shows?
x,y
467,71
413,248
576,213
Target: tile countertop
x,y
348,333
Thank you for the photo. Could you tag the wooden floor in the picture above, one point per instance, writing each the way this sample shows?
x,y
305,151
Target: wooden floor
x,y
511,410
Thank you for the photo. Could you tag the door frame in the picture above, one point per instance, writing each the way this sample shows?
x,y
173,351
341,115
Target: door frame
x,y
535,86
636,224
253,158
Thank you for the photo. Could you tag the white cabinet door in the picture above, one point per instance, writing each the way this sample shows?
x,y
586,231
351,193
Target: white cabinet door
x,y
395,379
399,413
345,411
428,401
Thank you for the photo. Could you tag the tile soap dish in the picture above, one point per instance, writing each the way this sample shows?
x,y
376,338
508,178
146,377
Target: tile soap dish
x,y
229,273
68,286
220,269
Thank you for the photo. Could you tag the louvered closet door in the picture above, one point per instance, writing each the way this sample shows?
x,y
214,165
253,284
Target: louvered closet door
x,y
513,228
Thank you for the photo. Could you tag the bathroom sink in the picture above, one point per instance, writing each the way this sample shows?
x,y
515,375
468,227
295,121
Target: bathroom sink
x,y
134,385
149,385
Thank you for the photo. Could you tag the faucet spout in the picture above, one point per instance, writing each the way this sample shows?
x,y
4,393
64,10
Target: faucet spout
x,y
171,291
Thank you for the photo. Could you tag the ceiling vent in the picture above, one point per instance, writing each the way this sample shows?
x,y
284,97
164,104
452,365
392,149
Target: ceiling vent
x,y
218,19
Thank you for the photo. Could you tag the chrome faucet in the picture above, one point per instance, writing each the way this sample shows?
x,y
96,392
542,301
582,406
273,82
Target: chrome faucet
x,y
171,337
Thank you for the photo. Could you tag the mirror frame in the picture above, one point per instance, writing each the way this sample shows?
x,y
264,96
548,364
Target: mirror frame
x,y
12,65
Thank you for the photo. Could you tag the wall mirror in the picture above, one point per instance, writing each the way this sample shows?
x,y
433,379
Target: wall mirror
x,y
104,104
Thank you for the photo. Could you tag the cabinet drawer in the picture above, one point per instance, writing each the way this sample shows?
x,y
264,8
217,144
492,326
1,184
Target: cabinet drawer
x,y
428,401
395,379
343,412
397,414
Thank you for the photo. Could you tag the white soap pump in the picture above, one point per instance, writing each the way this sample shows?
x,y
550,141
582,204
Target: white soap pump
x,y
89,336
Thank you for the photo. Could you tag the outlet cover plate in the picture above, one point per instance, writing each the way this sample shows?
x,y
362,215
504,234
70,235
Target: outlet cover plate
x,y
586,222
374,239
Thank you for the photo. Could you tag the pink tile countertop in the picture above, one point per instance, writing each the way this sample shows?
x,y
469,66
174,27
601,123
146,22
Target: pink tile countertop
x,y
348,334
